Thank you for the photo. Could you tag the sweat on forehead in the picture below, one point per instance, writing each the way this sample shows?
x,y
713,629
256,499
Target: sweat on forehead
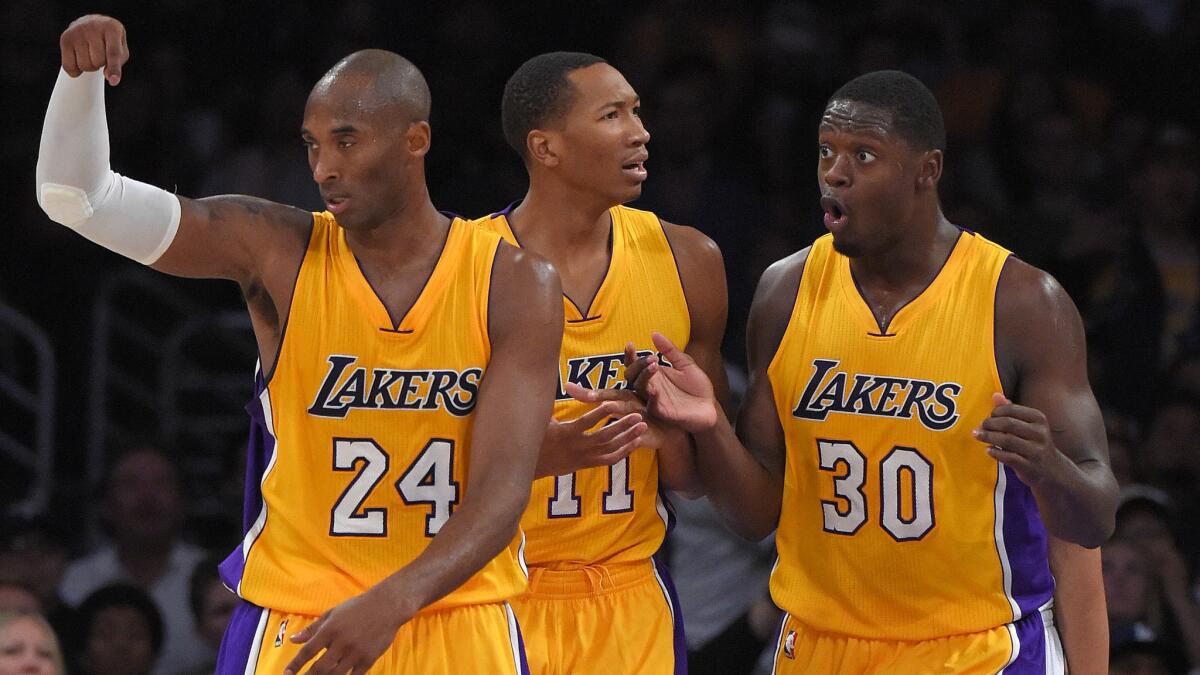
x,y
857,118
908,105
371,80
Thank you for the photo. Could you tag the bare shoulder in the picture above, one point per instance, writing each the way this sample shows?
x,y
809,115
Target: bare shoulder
x,y
523,269
525,290
692,247
702,273
1037,323
782,278
1024,291
771,310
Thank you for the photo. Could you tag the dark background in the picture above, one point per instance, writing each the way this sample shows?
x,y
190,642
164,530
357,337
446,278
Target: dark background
x,y
1072,141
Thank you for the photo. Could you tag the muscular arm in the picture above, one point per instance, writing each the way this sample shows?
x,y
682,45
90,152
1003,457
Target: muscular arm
x,y
1059,448
1079,607
257,243
702,273
515,401
743,473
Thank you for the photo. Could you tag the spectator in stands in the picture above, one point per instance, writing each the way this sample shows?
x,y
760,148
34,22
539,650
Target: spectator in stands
x,y
142,510
1147,578
120,632
17,597
1166,192
28,645
212,604
722,585
1168,453
33,555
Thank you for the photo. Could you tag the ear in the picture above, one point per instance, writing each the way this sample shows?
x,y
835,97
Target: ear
x,y
419,136
929,170
540,148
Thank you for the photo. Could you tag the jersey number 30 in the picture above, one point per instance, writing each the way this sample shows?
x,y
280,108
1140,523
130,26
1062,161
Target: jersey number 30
x,y
906,517
428,480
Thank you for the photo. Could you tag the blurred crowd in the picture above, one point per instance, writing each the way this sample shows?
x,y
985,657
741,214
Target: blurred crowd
x,y
1072,141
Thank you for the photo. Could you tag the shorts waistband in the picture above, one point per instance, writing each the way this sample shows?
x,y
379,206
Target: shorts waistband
x,y
589,579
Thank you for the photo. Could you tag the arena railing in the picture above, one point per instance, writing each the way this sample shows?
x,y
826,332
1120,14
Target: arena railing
x,y
30,392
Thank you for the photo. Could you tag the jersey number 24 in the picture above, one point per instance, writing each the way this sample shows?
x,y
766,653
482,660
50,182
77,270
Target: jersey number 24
x,y
428,480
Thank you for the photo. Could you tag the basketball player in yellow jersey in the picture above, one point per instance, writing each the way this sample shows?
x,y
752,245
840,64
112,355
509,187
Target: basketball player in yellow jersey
x,y
918,419
597,601
398,418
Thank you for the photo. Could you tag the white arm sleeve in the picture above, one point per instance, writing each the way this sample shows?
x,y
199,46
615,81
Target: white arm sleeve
x,y
76,187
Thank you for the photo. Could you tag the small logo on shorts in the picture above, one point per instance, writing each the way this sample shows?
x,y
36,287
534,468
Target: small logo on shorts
x,y
279,635
789,645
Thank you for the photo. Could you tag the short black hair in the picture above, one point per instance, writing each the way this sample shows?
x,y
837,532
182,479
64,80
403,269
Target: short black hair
x,y
539,93
119,595
915,112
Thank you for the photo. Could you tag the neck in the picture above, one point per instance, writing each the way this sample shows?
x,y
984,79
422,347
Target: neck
x,y
556,221
914,258
410,232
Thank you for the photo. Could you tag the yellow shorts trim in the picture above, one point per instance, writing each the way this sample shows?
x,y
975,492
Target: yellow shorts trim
x,y
1030,645
466,639
601,619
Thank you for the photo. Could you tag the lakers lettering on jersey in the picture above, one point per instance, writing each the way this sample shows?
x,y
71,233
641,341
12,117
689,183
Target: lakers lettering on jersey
x,y
361,435
896,524
614,514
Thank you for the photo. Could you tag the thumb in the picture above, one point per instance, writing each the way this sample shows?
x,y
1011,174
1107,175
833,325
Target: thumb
x,y
580,393
999,399
674,354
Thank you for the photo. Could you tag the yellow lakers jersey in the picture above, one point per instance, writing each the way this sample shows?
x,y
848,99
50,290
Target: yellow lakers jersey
x,y
361,438
896,524
607,514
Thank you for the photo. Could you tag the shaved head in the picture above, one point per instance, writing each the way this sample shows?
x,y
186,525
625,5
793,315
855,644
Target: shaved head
x,y
376,81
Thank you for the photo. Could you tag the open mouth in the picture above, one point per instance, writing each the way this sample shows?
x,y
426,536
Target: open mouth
x,y
636,170
335,203
835,212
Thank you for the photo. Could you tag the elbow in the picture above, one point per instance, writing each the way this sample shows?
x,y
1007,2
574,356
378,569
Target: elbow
x,y
1102,532
1092,534
64,204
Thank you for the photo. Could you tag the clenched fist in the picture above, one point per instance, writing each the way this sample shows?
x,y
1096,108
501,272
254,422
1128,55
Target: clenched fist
x,y
93,42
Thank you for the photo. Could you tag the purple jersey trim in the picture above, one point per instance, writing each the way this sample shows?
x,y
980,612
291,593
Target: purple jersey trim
x,y
237,644
506,211
680,642
1031,640
521,646
1025,543
260,448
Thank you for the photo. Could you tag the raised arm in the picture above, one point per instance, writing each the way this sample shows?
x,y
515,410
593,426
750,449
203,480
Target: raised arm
x,y
231,237
516,397
1051,433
